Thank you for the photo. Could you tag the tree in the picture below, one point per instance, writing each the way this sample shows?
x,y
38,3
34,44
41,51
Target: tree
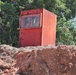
x,y
72,28
71,4
8,23
64,34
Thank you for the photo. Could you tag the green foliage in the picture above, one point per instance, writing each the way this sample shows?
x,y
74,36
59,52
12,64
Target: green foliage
x,y
71,4
9,18
64,34
72,28
8,24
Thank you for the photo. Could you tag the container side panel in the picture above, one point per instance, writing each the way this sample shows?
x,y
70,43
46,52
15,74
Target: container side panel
x,y
49,28
30,37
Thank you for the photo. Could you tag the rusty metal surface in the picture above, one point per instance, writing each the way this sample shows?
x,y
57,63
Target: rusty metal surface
x,y
30,37
49,28
31,12
43,35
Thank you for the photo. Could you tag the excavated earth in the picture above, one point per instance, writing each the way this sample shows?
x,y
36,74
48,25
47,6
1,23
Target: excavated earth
x,y
38,60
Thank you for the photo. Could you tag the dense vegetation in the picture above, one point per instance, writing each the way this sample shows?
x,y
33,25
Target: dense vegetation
x,y
64,9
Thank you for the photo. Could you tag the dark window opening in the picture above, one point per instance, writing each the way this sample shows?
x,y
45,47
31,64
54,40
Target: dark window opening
x,y
30,21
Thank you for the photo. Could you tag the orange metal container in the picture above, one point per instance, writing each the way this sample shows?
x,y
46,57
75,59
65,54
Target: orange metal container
x,y
37,27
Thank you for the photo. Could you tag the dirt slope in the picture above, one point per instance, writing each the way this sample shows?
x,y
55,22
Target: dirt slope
x,y
39,60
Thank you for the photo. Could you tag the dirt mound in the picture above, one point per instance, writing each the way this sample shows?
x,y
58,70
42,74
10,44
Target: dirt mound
x,y
7,61
38,60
